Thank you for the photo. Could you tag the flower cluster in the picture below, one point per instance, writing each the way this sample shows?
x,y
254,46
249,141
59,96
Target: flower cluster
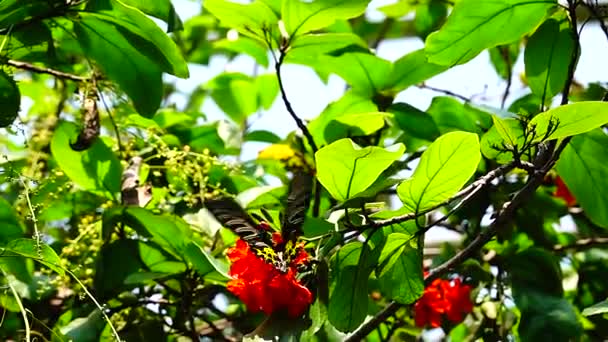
x,y
443,298
262,287
563,192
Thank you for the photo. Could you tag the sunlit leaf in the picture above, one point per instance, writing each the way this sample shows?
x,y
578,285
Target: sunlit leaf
x,y
547,57
571,119
301,17
345,169
474,26
400,268
444,169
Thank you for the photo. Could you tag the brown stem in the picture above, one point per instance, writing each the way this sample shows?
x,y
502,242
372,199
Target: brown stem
x,y
44,70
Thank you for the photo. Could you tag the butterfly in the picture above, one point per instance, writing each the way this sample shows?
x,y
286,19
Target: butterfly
x,y
232,216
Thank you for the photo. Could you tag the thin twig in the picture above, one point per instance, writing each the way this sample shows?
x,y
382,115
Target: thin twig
x,y
443,91
44,70
289,108
572,66
504,51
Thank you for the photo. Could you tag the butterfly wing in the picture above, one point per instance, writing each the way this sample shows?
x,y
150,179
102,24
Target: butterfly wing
x,y
232,216
298,201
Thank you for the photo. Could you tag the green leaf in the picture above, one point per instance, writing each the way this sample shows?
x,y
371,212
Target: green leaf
x,y
262,136
11,227
348,302
414,122
306,49
142,33
115,262
267,90
138,76
349,103
429,16
505,131
492,141
301,17
444,169
10,98
251,19
366,73
571,119
546,318
85,329
16,11
582,167
596,309
474,26
251,47
345,169
170,232
161,9
235,94
353,125
412,69
96,168
547,57
158,261
400,269
451,115
37,251
398,9
525,267
203,263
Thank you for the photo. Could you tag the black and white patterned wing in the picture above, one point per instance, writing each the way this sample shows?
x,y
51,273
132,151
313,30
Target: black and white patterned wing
x,y
232,216
298,201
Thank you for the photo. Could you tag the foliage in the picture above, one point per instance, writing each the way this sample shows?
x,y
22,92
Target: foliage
x,y
121,200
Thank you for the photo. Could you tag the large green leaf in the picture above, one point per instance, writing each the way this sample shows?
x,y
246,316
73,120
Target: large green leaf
x,y
429,16
412,69
11,227
161,9
366,73
451,115
251,47
348,302
582,166
96,168
253,19
138,76
85,329
10,98
400,268
571,119
204,264
301,17
170,232
547,57
307,49
16,11
474,26
596,309
444,169
35,250
143,34
414,122
350,103
345,169
115,262
235,94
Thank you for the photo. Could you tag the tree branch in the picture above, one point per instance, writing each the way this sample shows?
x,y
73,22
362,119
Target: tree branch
x,y
44,70
289,108
572,66
444,91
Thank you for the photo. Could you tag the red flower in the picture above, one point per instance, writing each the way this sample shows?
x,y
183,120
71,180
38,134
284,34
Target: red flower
x,y
563,192
443,298
262,287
